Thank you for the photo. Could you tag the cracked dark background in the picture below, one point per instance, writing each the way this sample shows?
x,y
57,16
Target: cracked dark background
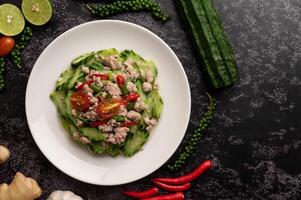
x,y
254,140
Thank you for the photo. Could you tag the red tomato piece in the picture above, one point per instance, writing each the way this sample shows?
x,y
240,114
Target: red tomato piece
x,y
80,101
119,80
97,123
101,76
6,45
132,97
108,108
128,124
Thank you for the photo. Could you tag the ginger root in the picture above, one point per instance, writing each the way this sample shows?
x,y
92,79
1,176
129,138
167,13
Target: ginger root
x,y
4,154
21,188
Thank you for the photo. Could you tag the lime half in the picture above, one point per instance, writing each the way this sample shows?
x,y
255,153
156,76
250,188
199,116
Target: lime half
x,y
11,20
37,12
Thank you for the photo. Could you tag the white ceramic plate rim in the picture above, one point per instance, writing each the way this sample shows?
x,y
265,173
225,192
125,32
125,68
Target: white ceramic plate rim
x,y
50,157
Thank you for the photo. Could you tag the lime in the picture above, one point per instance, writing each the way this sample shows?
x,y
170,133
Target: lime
x,y
37,12
11,20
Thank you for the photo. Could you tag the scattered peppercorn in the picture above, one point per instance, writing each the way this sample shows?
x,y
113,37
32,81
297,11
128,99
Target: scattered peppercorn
x,y
121,6
23,40
2,68
196,136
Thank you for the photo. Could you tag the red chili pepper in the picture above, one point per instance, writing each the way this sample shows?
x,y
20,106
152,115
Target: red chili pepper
x,y
174,196
102,76
173,188
97,123
128,124
204,166
143,194
132,97
81,86
120,80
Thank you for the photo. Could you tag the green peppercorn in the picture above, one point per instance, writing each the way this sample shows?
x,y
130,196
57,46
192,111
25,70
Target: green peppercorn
x,y
121,6
22,40
2,69
196,136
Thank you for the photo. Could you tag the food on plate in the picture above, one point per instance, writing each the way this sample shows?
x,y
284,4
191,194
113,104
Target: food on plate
x,y
63,195
4,154
6,45
213,45
109,101
11,20
142,194
37,12
21,188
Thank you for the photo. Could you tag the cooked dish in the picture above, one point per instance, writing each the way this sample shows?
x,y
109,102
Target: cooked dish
x,y
109,101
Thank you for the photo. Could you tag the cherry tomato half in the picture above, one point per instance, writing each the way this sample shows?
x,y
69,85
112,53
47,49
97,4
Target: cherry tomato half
x,y
108,108
6,45
80,101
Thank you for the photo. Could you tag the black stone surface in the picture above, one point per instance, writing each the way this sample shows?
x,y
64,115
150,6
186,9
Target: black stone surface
x,y
255,139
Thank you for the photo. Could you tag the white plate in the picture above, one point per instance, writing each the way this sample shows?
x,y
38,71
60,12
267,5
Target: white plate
x,y
73,159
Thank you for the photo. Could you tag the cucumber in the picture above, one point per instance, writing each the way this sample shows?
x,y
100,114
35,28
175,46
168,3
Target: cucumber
x,y
210,42
96,147
92,134
157,104
130,54
58,98
64,78
68,108
95,88
140,90
113,150
76,76
81,59
134,143
108,52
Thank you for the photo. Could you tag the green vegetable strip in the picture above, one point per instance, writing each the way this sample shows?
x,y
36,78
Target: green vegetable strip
x,y
25,37
191,20
196,136
213,44
221,38
2,69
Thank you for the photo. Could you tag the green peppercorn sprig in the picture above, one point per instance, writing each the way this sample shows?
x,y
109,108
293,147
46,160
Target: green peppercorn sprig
x,y
25,37
122,6
2,68
196,136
